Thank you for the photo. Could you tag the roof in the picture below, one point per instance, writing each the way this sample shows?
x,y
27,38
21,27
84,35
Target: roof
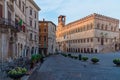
x,y
35,5
92,15
47,22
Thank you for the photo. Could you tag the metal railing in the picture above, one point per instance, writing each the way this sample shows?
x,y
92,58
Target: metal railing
x,y
10,23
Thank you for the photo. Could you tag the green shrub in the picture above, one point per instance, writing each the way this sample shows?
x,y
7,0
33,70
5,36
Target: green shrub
x,y
36,57
117,61
69,55
65,55
84,58
72,56
17,71
33,58
75,57
95,60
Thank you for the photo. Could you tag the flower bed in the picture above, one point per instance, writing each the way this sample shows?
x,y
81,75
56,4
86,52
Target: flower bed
x,y
117,61
17,73
95,60
84,58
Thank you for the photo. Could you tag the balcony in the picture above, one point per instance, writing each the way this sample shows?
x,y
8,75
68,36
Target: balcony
x,y
6,23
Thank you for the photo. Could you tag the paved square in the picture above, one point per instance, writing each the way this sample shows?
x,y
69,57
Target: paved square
x,y
61,68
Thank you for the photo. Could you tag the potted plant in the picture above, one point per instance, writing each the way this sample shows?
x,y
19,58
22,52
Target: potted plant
x,y
17,73
38,57
95,60
84,58
65,55
75,57
69,55
33,61
117,61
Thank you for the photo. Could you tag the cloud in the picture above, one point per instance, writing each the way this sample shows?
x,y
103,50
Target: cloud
x,y
76,9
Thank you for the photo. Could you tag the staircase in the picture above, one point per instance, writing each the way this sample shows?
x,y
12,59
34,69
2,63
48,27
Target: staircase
x,y
106,48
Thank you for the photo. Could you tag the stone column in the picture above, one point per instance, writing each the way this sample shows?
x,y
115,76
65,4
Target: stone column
x,y
4,46
5,10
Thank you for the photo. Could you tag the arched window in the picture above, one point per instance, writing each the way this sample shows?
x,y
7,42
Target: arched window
x,y
88,27
91,25
102,26
98,26
106,27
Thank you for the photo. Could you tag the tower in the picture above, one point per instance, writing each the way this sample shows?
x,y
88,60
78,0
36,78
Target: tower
x,y
61,20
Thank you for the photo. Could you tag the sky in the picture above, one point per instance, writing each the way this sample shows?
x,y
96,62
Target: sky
x,y
77,9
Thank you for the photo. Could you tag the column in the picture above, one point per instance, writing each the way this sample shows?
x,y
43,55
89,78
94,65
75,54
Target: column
x,y
4,46
6,10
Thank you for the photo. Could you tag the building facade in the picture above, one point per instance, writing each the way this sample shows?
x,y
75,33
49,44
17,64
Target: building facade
x,y
15,27
47,37
8,29
92,34
32,27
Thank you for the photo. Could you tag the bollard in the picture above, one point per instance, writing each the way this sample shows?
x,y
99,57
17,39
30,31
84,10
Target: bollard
x,y
80,56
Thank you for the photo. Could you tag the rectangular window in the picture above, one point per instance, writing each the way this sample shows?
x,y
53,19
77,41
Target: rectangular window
x,y
30,22
39,38
98,39
88,40
91,39
35,38
106,40
35,14
35,24
44,38
30,11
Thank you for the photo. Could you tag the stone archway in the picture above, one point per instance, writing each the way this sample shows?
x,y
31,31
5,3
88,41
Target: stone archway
x,y
88,50
96,51
91,50
81,50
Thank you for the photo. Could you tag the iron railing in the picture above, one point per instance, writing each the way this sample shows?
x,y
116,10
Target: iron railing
x,y
9,23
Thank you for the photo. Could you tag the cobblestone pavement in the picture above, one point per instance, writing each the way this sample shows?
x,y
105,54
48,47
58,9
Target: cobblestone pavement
x,y
61,68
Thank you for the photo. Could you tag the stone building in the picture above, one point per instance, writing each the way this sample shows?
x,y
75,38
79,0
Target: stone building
x,y
8,29
92,34
18,20
32,16
47,37
26,11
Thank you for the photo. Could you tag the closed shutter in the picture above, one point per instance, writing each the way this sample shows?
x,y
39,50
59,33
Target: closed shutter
x,y
0,11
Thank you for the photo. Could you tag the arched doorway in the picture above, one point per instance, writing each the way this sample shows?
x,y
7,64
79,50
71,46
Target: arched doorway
x,y
115,47
84,50
91,50
88,50
27,52
32,50
96,51
81,50
76,51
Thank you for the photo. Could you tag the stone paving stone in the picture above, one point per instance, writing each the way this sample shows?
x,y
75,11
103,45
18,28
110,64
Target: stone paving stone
x,y
61,68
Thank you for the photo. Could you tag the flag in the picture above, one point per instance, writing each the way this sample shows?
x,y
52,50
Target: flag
x,y
20,22
23,28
